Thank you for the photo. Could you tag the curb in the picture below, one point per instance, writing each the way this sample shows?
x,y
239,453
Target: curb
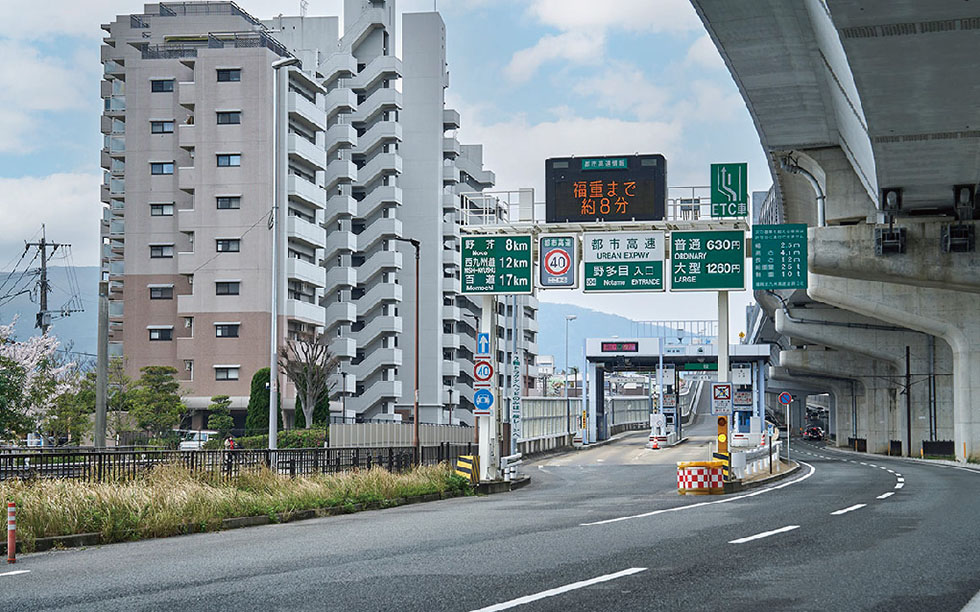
x,y
502,486
737,487
95,539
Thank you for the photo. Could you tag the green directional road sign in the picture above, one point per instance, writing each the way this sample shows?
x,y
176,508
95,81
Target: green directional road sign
x,y
779,256
623,261
707,260
729,190
496,264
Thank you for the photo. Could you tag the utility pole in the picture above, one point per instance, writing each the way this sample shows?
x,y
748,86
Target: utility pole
x,y
102,365
43,316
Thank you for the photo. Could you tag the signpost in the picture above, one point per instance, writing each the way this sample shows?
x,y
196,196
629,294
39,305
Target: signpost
x,y
707,260
721,398
785,398
482,402
729,190
558,264
623,261
615,188
779,256
496,264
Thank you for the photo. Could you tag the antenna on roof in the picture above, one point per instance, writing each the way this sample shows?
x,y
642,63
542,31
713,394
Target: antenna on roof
x,y
304,5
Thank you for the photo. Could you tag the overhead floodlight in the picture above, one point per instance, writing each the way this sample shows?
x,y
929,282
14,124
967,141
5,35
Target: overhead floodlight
x,y
965,201
891,199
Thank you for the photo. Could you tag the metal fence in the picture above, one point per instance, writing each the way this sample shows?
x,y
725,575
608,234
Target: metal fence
x,y
107,466
396,434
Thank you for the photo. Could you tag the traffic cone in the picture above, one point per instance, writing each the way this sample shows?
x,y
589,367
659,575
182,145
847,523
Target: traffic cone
x,y
653,443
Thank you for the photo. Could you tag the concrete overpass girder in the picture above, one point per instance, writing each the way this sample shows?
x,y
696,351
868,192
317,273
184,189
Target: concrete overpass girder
x,y
950,315
844,394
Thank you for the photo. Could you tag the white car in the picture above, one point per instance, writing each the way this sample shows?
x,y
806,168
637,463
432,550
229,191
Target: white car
x,y
194,440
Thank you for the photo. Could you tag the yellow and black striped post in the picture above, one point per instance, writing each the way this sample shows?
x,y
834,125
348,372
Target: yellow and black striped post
x,y
469,466
723,453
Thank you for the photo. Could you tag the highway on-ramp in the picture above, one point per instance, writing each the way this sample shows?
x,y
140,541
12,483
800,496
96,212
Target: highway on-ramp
x,y
598,529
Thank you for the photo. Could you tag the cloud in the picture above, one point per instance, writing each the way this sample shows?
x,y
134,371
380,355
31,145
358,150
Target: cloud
x,y
578,47
68,204
704,54
625,88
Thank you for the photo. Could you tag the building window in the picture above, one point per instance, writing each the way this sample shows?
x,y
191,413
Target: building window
x,y
226,330
229,74
227,160
161,210
161,167
161,334
161,293
161,85
226,373
228,245
161,127
229,117
228,202
227,287
161,251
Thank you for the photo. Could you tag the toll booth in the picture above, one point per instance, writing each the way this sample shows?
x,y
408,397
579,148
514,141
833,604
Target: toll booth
x,y
608,355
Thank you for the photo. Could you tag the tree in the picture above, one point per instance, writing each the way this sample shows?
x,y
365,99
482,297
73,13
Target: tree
x,y
321,414
220,419
257,418
307,364
156,403
13,420
70,415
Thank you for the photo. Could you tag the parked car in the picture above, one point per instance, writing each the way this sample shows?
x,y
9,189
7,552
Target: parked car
x,y
194,440
813,433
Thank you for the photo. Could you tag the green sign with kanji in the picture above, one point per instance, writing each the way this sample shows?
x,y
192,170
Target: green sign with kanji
x,y
623,261
695,366
707,260
779,256
729,190
496,264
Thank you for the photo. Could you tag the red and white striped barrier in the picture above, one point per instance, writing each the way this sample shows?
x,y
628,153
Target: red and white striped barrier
x,y
700,478
11,532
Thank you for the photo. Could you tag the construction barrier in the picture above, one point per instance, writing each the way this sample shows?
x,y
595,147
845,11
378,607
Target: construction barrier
x,y
700,477
469,466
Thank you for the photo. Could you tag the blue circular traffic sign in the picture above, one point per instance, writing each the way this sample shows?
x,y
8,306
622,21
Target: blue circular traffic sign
x,y
785,398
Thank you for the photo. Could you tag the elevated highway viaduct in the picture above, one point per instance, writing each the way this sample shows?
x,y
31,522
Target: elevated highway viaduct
x,y
867,112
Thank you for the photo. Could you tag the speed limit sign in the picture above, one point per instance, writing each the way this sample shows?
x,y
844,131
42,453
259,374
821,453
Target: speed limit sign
x,y
558,263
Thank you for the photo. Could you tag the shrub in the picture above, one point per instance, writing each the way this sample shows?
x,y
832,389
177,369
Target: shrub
x,y
257,419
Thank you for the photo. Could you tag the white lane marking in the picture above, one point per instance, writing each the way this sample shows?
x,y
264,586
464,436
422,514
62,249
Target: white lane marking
x,y
891,471
711,503
900,479
764,534
15,572
872,465
974,604
520,601
863,463
899,485
898,475
849,509
885,495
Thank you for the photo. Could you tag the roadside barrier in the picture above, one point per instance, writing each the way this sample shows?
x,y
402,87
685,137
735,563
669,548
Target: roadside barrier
x,y
700,477
11,532
750,463
469,467
508,465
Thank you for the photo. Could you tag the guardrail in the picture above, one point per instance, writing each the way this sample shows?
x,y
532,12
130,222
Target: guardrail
x,y
755,461
346,435
127,465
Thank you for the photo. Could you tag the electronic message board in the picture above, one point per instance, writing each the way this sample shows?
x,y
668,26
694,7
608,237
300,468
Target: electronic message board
x,y
611,188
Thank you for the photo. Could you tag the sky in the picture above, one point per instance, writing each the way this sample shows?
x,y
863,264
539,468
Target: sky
x,y
531,79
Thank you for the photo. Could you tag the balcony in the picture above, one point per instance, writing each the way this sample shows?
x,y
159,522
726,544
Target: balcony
x,y
300,108
378,326
303,230
340,100
450,147
304,311
451,229
305,271
382,67
380,132
450,175
381,196
451,258
339,241
380,100
530,324
343,347
338,65
300,148
377,231
376,360
341,135
305,191
450,341
114,68
186,136
450,368
186,94
339,171
450,313
341,276
339,206
368,21
450,201
380,262
450,119
341,312
382,390
383,163
380,293
476,171
187,178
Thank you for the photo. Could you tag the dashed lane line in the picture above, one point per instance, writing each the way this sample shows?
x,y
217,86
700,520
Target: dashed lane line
x,y
15,572
899,485
520,601
764,534
885,495
848,509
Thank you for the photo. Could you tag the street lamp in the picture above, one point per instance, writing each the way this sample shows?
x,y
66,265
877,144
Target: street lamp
x,y
568,404
274,226
415,411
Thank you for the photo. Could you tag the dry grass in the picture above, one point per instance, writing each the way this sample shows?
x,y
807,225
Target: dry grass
x,y
171,500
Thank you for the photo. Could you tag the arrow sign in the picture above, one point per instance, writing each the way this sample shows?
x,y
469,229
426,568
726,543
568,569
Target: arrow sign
x,y
483,343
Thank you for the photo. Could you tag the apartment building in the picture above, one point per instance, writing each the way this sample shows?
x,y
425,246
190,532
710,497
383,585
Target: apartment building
x,y
362,161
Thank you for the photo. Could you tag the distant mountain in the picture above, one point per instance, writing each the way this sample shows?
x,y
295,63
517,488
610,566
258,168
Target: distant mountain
x,y
80,330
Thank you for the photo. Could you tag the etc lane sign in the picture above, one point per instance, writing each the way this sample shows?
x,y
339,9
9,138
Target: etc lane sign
x,y
729,190
496,265
558,265
623,261
707,260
